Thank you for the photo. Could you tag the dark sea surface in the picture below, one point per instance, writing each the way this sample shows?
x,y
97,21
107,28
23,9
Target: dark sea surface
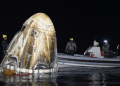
x,y
70,76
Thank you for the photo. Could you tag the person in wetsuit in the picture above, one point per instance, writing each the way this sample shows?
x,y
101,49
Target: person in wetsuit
x,y
105,49
71,47
4,44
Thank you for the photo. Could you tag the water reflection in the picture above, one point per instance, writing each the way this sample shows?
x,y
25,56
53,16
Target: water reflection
x,y
31,80
89,77
77,76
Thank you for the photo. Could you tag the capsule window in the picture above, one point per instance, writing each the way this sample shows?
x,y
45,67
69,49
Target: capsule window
x,y
23,27
35,33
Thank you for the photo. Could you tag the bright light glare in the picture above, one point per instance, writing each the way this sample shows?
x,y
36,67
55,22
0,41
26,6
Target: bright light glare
x,y
105,40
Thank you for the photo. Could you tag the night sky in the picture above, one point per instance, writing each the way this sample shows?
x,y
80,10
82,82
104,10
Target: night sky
x,y
83,20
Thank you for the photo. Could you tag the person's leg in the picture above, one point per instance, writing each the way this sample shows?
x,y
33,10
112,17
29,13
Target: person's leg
x,y
72,52
107,55
68,53
3,52
103,54
118,53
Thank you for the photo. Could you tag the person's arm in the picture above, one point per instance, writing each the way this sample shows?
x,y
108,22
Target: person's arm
x,y
108,47
75,46
103,48
117,47
4,44
66,46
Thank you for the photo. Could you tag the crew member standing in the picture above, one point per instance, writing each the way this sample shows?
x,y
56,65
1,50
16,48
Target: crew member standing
x,y
118,50
71,47
95,43
4,44
105,49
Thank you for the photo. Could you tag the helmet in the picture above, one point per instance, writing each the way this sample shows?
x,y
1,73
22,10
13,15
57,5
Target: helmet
x,y
71,39
4,36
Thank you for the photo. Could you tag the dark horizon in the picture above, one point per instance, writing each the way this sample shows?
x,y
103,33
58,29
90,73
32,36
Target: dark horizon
x,y
83,21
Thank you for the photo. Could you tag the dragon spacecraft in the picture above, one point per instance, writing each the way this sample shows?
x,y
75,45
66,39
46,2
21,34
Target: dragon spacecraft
x,y
33,49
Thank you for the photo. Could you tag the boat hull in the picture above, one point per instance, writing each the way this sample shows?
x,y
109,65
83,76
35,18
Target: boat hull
x,y
80,60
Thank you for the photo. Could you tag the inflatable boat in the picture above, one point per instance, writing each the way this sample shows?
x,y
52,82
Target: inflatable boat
x,y
81,60
92,57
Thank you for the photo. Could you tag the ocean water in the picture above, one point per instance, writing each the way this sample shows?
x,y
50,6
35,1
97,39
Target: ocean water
x,y
69,76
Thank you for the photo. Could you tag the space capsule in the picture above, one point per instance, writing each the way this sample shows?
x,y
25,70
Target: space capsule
x,y
34,47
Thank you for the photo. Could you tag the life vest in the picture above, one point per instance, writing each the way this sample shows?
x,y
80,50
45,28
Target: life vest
x,y
71,45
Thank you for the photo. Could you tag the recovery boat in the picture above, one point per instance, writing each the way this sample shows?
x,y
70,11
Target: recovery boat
x,y
96,60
